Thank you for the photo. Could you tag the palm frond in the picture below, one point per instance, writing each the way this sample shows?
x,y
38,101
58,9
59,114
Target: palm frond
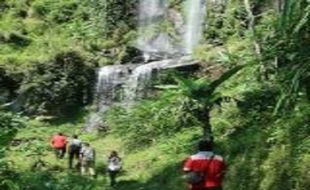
x,y
284,18
187,86
304,20
215,84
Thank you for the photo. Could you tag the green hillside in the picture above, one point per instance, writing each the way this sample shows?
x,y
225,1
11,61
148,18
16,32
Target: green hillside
x,y
251,91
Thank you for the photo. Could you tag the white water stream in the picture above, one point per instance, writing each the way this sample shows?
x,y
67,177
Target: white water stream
x,y
109,91
195,13
151,37
140,80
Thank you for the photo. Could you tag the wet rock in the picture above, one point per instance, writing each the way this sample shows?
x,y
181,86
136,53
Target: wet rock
x,y
177,19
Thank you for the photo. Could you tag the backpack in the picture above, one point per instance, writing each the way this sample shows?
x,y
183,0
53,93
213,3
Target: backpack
x,y
75,146
88,154
114,164
197,177
194,177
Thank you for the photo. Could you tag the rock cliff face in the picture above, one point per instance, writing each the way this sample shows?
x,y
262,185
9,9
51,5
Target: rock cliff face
x,y
177,19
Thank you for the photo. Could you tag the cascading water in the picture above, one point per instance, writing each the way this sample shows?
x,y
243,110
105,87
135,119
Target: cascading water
x,y
195,13
108,85
140,79
137,83
109,91
150,12
151,38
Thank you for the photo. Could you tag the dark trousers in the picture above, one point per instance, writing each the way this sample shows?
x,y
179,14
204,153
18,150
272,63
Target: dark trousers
x,y
213,188
60,152
72,155
112,175
208,188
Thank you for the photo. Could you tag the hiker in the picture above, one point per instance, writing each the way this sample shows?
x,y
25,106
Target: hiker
x,y
59,143
204,170
114,166
87,160
75,145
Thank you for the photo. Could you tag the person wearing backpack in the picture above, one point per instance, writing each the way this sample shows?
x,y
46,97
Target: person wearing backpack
x,y
114,166
87,159
75,145
204,170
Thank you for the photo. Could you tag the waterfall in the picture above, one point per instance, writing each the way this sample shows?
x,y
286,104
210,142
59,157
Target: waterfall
x,y
109,91
107,88
124,84
151,38
137,82
195,13
140,80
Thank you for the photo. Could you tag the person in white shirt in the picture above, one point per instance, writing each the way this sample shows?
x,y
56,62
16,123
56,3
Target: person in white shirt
x,y
114,166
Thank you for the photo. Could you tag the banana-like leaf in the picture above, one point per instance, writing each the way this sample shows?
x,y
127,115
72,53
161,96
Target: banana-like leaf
x,y
304,20
201,90
215,84
284,20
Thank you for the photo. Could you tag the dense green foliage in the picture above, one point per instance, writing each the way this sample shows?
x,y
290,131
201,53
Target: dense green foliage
x,y
148,122
58,87
9,124
48,53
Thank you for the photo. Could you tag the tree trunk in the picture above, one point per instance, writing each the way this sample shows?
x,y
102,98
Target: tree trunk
x,y
207,127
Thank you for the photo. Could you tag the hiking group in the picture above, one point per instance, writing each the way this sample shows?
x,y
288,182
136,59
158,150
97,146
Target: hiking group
x,y
204,170
84,155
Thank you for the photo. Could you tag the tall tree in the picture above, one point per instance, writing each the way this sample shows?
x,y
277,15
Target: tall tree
x,y
201,96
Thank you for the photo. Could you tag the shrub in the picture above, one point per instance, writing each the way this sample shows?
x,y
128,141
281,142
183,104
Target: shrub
x,y
9,125
64,12
9,84
58,87
150,121
18,39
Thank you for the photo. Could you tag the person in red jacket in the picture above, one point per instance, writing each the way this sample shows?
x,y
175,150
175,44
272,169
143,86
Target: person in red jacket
x,y
59,143
211,168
